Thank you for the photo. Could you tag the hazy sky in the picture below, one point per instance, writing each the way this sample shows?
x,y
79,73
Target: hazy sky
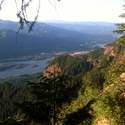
x,y
69,10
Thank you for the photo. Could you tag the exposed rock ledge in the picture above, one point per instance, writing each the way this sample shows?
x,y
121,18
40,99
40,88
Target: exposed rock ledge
x,y
109,50
122,77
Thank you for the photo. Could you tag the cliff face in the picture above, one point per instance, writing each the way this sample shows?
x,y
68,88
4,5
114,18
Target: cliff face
x,y
109,50
52,70
116,50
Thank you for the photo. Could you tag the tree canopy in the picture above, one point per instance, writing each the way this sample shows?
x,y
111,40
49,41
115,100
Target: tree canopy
x,y
121,26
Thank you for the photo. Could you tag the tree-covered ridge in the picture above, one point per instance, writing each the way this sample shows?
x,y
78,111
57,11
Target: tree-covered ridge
x,y
72,65
73,90
104,83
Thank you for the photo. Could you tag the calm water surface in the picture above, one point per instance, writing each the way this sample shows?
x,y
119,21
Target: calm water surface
x,y
29,67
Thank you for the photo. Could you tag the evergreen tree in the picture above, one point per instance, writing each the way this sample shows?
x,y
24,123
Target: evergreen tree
x,y
121,26
49,94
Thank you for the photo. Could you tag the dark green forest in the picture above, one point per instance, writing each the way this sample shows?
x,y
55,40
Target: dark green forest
x,y
73,90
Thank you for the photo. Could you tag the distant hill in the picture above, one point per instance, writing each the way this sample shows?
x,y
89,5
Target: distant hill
x,y
51,37
101,28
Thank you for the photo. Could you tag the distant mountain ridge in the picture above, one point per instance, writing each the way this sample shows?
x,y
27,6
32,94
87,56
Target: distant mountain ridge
x,y
51,37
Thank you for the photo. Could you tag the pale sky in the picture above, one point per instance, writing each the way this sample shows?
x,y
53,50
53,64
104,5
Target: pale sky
x,y
69,10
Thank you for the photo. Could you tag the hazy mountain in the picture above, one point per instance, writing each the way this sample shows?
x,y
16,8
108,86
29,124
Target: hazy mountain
x,y
87,27
49,37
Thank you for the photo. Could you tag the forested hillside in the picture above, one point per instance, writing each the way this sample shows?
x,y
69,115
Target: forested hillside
x,y
73,90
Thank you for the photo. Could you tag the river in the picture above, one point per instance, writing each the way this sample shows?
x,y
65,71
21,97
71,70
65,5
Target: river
x,y
18,68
